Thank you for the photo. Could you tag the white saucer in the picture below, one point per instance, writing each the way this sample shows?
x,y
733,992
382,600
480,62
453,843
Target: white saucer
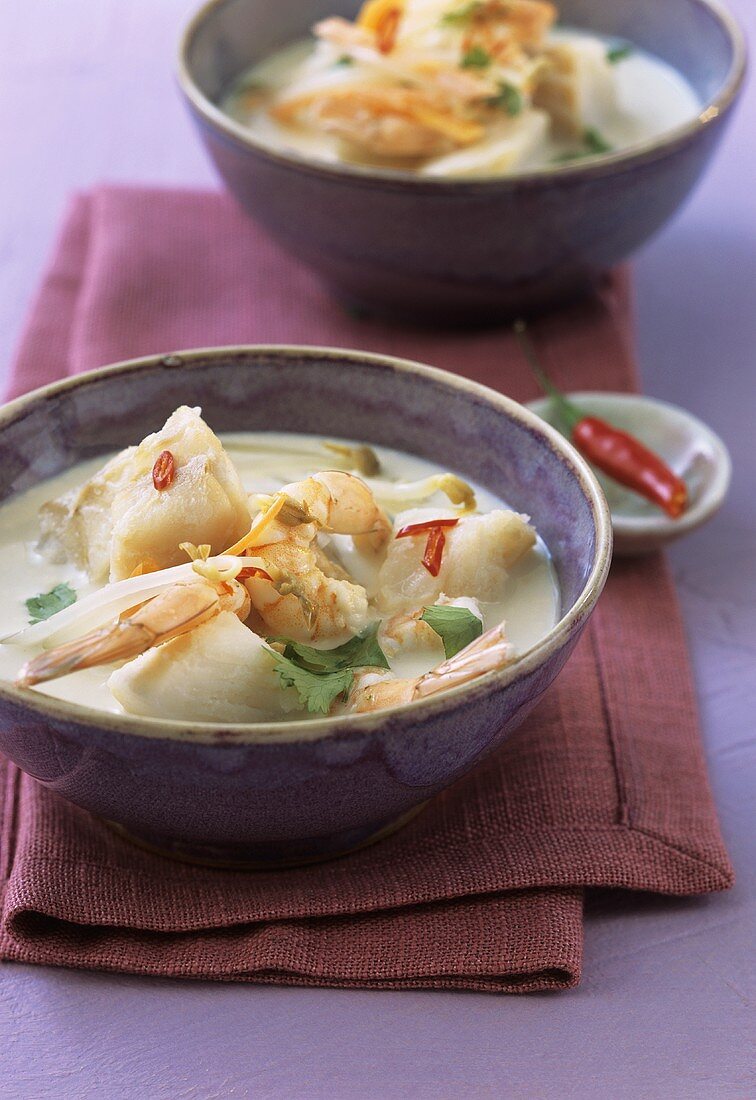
x,y
687,445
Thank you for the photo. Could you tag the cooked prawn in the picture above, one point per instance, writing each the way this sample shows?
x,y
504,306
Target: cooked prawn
x,y
408,632
175,611
340,32
299,592
495,24
374,691
387,121
341,502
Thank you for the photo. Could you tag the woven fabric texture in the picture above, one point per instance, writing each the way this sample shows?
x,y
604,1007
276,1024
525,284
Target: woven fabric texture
x,y
604,786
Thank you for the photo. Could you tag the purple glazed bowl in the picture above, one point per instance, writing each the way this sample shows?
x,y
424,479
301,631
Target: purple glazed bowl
x,y
462,251
293,792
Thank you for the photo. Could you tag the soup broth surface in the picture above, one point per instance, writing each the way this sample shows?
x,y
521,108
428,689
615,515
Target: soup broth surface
x,y
649,98
265,462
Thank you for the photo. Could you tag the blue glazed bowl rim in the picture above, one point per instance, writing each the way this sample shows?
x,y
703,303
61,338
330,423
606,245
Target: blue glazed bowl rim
x,y
601,164
47,707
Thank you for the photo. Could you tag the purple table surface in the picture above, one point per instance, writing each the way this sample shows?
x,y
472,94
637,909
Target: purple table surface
x,y
664,1010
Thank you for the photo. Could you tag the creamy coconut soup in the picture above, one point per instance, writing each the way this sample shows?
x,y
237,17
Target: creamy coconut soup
x,y
460,88
263,576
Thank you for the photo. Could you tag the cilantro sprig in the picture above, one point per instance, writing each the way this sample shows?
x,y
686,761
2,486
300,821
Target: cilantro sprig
x,y
475,58
455,626
320,676
618,53
459,17
316,690
46,604
593,144
509,98
360,651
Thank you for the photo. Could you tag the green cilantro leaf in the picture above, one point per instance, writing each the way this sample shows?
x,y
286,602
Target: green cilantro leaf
x,y
49,603
361,651
565,158
345,59
615,54
316,690
460,16
595,143
475,58
455,626
509,98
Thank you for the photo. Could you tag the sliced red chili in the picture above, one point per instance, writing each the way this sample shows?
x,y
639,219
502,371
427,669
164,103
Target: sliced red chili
x,y
434,550
434,544
164,471
420,528
387,29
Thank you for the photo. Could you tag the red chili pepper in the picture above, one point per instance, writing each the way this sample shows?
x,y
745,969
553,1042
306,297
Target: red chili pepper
x,y
618,454
434,550
434,545
624,458
428,525
164,471
387,29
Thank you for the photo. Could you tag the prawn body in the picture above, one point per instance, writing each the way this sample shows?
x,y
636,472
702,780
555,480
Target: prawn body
x,y
305,596
178,610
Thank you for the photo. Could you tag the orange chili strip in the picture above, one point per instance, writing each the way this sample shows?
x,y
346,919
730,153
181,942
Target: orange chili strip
x,y
428,525
164,471
253,571
434,551
387,28
260,522
618,454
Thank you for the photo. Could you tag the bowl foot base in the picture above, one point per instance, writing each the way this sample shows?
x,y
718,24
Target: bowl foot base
x,y
462,309
266,856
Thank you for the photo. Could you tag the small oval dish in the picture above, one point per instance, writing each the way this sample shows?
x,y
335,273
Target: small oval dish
x,y
687,445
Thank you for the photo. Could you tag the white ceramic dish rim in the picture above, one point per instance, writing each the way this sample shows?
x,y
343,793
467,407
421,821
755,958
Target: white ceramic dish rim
x,y
234,734
642,151
659,524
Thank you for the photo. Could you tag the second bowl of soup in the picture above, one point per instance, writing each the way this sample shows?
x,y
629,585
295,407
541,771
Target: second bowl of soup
x,y
458,161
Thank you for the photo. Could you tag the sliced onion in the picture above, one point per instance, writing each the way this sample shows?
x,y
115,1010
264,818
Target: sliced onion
x,y
407,492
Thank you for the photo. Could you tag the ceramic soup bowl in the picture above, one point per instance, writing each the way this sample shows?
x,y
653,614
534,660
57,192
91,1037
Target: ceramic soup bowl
x,y
298,791
463,250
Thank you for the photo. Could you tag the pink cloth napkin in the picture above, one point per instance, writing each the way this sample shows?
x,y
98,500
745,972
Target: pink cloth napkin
x,y
604,786
144,271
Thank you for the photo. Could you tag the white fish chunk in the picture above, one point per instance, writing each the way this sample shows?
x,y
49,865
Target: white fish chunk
x,y
118,519
478,555
220,672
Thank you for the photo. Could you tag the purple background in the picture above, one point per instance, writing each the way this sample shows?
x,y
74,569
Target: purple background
x,y
665,1006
